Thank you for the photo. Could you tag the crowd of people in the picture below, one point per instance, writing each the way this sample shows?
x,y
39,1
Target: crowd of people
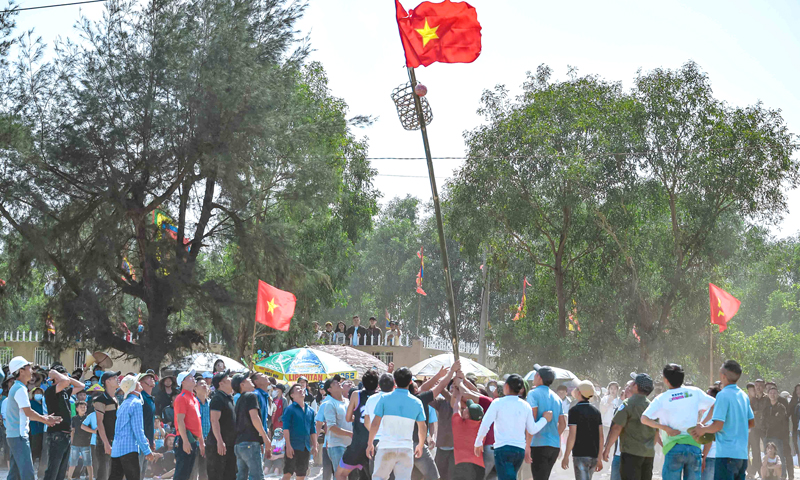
x,y
356,334
235,426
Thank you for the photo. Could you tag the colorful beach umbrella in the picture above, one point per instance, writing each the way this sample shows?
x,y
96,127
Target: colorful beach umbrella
x,y
313,364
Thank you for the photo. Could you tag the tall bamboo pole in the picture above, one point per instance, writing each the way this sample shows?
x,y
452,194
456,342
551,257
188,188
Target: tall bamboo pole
x,y
451,304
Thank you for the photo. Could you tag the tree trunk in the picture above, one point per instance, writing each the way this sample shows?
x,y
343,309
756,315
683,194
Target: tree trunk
x,y
561,297
484,311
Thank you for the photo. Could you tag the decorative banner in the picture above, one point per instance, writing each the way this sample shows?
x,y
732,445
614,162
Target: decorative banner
x,y
573,324
163,222
636,335
48,322
126,332
128,269
522,310
421,273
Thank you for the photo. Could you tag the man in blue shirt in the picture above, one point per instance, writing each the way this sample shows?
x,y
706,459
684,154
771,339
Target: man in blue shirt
x,y
129,436
262,384
300,434
732,420
201,392
546,444
398,412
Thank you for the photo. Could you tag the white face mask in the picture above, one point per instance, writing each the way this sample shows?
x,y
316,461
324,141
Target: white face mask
x,y
492,388
274,393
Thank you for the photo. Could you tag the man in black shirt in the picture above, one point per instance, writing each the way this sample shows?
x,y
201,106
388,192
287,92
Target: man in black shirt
x,y
57,398
220,457
105,407
374,333
355,334
585,440
252,442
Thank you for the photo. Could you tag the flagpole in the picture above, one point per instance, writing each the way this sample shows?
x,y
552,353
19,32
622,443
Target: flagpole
x,y
711,354
451,304
252,362
419,312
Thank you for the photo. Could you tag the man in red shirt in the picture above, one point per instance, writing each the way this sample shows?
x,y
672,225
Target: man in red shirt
x,y
190,431
470,392
466,422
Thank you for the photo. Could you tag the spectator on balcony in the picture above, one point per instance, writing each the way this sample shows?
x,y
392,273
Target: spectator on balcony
x,y
355,334
327,335
393,335
340,335
374,333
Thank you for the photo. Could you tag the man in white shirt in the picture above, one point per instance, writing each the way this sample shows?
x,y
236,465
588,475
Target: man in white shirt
x,y
513,429
674,412
386,386
17,420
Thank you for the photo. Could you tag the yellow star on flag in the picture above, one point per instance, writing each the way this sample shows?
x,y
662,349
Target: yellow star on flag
x,y
271,306
427,33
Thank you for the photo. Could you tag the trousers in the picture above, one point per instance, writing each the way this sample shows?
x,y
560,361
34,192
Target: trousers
x,y
634,467
126,466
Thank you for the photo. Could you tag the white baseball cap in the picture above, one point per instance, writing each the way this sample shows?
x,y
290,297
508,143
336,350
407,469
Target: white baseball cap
x,y
182,376
16,363
128,384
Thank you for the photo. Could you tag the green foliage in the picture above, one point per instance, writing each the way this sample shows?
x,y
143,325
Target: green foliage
x,y
771,353
628,203
208,112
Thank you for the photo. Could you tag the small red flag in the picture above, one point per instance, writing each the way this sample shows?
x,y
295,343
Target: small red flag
x,y
445,32
723,306
274,307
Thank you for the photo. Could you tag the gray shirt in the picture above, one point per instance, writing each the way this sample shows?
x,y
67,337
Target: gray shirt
x,y
335,414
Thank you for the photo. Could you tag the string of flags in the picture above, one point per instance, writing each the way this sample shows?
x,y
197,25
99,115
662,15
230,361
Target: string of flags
x,y
421,272
572,324
165,224
522,310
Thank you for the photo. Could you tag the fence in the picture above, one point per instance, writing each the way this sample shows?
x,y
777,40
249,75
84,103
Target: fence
x,y
471,348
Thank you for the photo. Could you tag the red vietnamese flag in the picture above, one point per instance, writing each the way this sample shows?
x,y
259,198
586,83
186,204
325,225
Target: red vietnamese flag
x,y
274,307
439,32
723,306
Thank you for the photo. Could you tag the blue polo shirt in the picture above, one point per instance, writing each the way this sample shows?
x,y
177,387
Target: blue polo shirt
x,y
299,422
399,412
733,409
546,400
263,403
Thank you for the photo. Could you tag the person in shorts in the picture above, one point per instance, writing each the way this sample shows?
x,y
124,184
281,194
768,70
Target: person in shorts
x,y
81,446
585,441
300,434
355,455
274,464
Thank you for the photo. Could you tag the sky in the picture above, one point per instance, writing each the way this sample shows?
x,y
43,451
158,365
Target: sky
x,y
749,50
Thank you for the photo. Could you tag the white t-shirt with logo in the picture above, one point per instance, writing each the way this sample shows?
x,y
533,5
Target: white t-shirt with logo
x,y
678,407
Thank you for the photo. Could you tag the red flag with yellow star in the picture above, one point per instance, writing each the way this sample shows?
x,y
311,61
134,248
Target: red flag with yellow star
x,y
274,307
723,306
446,32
